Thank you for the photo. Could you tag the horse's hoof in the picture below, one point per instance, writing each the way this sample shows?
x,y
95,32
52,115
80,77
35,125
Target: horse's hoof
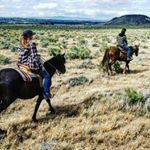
x,y
34,120
48,113
124,72
112,74
53,112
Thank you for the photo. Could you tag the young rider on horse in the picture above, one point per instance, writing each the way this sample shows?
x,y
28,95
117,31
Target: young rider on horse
x,y
28,56
122,41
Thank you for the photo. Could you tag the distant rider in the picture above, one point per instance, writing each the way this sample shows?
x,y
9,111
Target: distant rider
x,y
122,41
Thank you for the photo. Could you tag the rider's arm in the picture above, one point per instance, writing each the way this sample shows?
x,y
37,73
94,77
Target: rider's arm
x,y
34,54
125,40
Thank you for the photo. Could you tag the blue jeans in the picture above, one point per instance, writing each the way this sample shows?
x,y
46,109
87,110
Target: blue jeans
x,y
128,50
46,82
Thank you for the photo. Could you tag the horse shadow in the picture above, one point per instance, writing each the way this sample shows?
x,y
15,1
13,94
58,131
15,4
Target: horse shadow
x,y
65,111
71,110
136,71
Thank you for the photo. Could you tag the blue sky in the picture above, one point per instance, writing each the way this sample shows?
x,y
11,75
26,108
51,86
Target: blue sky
x,y
94,9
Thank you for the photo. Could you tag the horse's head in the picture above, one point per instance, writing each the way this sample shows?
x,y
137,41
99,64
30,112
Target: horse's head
x,y
135,49
56,64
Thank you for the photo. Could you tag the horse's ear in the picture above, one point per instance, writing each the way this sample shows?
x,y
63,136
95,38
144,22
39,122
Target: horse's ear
x,y
53,53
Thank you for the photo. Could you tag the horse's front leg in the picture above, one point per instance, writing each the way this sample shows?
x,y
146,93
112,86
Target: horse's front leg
x,y
128,67
40,98
124,71
51,109
110,66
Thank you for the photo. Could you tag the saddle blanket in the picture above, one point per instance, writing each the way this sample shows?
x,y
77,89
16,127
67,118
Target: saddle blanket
x,y
121,49
26,73
26,76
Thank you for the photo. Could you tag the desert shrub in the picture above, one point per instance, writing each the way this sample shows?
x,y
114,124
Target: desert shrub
x,y
64,46
5,44
145,47
53,49
37,37
117,67
69,35
78,52
45,43
104,45
53,39
133,95
76,81
13,48
95,45
82,41
4,59
82,79
96,40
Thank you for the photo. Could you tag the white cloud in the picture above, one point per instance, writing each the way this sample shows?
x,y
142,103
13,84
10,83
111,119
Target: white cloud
x,y
41,6
1,6
100,9
16,1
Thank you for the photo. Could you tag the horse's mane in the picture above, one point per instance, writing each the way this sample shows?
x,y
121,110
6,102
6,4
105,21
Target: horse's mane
x,y
50,60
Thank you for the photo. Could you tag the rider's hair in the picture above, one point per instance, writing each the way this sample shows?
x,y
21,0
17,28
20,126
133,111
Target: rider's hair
x,y
23,40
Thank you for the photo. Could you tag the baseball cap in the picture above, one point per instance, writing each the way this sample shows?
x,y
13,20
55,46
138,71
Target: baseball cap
x,y
28,32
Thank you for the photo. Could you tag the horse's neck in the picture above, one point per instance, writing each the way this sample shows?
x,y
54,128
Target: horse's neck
x,y
132,50
52,72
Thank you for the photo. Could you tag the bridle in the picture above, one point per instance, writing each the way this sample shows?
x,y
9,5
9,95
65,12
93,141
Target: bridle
x,y
58,72
135,49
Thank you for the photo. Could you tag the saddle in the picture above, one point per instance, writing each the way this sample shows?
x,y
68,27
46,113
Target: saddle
x,y
120,48
27,75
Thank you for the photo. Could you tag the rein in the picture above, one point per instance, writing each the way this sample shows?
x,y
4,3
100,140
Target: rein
x,y
57,71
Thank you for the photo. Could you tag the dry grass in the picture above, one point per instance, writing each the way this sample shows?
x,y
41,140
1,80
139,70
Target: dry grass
x,y
87,116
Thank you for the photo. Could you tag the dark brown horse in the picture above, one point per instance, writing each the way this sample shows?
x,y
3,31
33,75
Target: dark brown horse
x,y
113,54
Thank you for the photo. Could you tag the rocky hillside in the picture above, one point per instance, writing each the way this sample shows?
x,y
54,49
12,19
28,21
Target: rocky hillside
x,y
130,20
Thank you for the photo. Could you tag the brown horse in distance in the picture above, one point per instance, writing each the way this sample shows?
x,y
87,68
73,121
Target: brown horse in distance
x,y
113,54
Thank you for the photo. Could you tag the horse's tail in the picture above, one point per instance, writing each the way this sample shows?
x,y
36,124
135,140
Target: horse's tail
x,y
105,58
3,88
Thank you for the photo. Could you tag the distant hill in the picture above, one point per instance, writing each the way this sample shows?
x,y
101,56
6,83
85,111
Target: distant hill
x,y
123,20
130,20
17,20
